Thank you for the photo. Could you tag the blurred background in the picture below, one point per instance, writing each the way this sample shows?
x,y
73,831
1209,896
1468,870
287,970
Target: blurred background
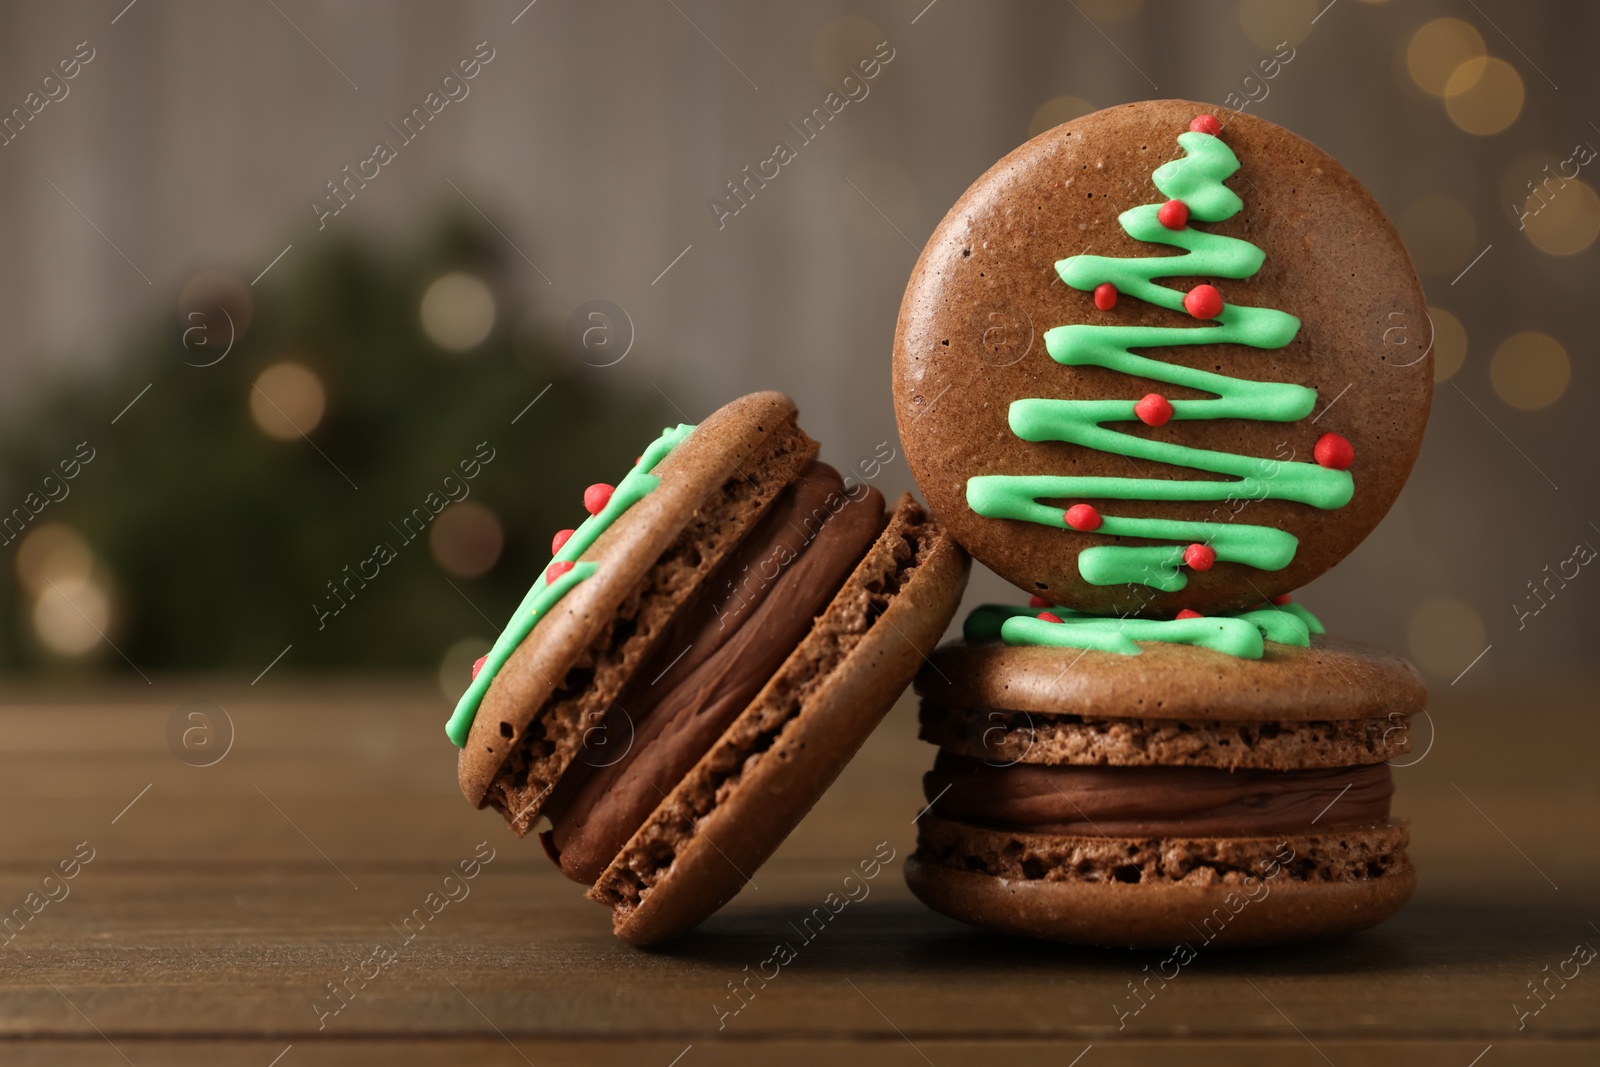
x,y
279,274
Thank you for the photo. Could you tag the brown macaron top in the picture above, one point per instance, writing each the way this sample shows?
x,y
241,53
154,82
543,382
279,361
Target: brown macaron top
x,y
971,342
1331,680
562,678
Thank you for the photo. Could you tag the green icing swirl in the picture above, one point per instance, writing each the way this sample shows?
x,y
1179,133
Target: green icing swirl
x,y
1196,179
545,594
1238,634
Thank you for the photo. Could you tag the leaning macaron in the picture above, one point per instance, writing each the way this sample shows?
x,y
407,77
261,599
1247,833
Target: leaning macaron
x,y
1176,796
700,660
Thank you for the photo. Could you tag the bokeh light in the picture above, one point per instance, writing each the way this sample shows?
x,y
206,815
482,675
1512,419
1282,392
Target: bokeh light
x,y
457,311
1564,219
1484,95
455,666
1444,635
287,400
1449,344
71,616
880,186
1530,370
1440,234
1438,49
841,45
52,552
1270,22
1055,111
466,539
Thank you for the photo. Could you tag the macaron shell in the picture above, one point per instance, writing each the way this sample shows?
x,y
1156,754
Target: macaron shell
x,y
1270,908
755,785
1333,679
722,477
970,342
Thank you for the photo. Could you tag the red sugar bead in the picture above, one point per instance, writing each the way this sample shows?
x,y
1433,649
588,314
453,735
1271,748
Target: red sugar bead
x,y
1200,557
1187,614
556,570
1203,302
478,666
1048,616
561,538
1038,602
1334,452
1105,296
596,497
1282,598
1083,517
1174,214
1153,410
1206,124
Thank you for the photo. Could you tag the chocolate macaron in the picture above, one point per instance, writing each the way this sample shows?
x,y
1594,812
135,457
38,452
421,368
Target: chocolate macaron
x,y
1159,367
1151,362
1182,795
701,658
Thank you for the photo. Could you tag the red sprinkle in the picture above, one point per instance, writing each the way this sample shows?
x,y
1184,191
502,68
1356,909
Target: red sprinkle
x,y
1206,124
478,666
1037,601
1282,598
1187,614
556,570
1174,214
561,538
1200,557
596,497
1105,296
1048,616
1153,410
1334,452
1203,302
1083,517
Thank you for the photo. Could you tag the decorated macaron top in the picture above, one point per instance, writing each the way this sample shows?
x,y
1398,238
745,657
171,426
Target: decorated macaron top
x,y
1136,471
604,503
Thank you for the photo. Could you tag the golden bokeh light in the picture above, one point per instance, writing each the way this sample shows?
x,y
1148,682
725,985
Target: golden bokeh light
x,y
880,186
455,666
841,45
1440,234
1269,23
1438,49
1055,111
52,553
1449,344
1484,95
1444,636
70,617
466,539
1530,370
287,400
1563,218
457,311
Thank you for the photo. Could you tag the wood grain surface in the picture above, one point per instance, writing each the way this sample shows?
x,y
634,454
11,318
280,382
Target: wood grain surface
x,y
222,900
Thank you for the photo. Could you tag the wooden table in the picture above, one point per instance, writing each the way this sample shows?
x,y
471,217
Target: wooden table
x,y
220,901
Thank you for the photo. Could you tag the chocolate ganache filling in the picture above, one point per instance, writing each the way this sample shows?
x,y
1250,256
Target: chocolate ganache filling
x,y
1157,801
715,657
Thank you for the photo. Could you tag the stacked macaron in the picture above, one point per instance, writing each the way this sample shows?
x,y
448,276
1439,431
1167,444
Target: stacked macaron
x,y
698,662
1212,410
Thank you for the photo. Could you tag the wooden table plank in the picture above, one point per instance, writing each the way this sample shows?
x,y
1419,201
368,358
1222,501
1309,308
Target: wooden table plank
x,y
219,905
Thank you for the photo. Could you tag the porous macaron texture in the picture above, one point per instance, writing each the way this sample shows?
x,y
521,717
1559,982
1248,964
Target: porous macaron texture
x,y
741,800
563,677
970,341
1162,893
1333,679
